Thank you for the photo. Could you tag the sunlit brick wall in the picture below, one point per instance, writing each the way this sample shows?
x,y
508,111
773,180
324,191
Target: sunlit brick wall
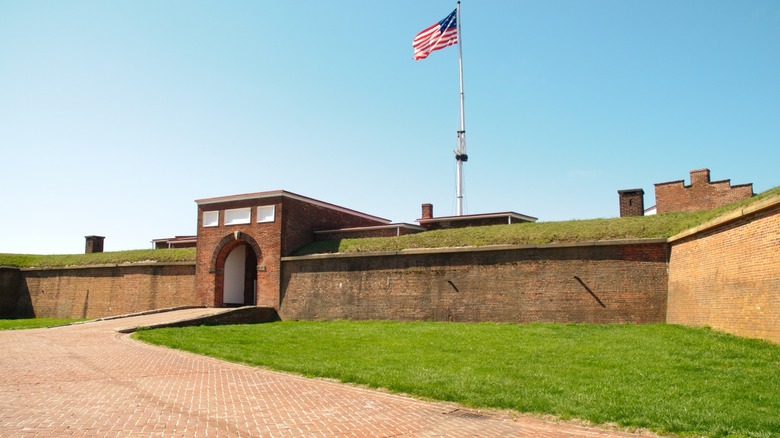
x,y
94,292
595,283
728,277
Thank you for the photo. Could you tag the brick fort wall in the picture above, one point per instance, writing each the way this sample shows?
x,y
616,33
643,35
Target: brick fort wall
x,y
94,292
724,274
14,301
727,275
614,282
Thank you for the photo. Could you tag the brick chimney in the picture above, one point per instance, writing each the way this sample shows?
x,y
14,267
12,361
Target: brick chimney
x,y
632,202
427,211
94,244
700,177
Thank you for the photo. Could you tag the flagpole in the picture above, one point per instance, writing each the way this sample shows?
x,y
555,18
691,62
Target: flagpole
x,y
460,152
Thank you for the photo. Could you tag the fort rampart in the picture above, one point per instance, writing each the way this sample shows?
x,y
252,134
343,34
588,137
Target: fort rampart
x,y
14,303
603,282
597,282
99,291
724,274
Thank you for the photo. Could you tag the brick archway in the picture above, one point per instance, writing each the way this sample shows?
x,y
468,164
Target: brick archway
x,y
217,265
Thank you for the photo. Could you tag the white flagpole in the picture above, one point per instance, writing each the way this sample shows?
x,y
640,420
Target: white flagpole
x,y
460,152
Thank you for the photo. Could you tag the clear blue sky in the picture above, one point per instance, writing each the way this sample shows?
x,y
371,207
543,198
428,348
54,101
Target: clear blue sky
x,y
115,116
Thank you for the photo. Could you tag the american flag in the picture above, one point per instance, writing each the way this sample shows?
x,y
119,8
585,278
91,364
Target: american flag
x,y
438,36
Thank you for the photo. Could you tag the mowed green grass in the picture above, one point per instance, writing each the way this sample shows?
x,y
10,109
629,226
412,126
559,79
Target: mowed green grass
x,y
666,378
30,323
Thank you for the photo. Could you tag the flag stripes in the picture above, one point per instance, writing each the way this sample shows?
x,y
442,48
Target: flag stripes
x,y
438,36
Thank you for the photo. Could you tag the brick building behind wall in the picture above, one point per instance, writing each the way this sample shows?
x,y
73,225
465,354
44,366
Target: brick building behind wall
x,y
702,194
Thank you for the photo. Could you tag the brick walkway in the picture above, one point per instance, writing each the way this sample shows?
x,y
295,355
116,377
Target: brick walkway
x,y
89,380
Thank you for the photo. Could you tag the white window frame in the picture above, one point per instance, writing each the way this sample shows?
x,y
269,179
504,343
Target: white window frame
x,y
266,213
238,216
210,219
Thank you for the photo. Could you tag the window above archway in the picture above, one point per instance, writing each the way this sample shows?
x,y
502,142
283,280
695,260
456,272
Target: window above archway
x,y
237,216
210,218
266,213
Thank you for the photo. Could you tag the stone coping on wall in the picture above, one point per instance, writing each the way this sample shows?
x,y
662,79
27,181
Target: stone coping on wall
x,y
107,265
462,249
728,217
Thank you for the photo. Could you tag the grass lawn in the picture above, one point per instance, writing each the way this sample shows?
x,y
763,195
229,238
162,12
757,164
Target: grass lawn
x,y
666,378
18,324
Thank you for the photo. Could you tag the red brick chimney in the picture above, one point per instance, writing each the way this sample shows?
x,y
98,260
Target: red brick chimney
x,y
632,202
700,177
427,211
94,244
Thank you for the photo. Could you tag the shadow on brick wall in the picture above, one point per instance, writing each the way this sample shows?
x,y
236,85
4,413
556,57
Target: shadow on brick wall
x,y
15,301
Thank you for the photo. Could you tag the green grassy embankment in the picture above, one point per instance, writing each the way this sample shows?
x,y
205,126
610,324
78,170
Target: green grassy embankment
x,y
656,226
102,258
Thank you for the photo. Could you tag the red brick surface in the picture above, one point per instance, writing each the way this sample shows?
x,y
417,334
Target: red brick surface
x,y
632,202
700,195
93,292
728,277
87,380
597,283
265,235
294,225
12,301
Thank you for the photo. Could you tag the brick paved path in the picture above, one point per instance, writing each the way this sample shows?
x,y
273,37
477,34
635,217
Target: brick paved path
x,y
89,380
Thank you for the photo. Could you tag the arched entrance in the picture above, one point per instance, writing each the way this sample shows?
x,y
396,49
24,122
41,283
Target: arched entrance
x,y
235,263
239,285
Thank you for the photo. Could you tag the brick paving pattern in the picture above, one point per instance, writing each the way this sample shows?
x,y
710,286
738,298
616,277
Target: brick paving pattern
x,y
89,380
